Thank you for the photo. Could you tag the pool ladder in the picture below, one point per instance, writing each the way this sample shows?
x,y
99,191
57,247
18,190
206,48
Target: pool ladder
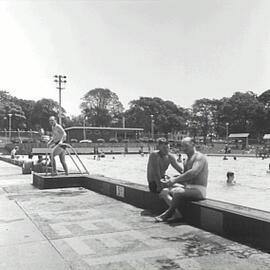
x,y
68,146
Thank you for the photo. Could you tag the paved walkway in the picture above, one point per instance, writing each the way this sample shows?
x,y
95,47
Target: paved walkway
x,y
78,229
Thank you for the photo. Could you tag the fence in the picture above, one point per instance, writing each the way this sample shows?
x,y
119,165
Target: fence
x,y
18,136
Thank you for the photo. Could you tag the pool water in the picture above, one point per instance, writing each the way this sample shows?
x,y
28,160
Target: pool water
x,y
252,186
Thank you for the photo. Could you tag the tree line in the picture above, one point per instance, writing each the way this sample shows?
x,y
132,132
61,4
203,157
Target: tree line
x,y
242,112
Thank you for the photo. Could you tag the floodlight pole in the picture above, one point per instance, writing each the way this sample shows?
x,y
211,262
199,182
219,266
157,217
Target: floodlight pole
x,y
227,131
60,79
152,126
84,131
9,125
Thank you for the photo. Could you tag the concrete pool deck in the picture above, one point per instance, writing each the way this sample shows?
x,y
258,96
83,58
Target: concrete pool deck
x,y
75,228
239,223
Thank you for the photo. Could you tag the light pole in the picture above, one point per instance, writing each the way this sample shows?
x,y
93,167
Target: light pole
x,y
124,126
84,131
60,79
19,135
227,130
9,125
123,122
152,126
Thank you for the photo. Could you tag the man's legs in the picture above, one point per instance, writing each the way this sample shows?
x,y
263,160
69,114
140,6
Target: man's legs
x,y
53,163
58,151
62,157
180,196
166,195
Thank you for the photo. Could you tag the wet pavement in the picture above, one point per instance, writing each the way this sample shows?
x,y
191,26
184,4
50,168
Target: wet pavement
x,y
75,228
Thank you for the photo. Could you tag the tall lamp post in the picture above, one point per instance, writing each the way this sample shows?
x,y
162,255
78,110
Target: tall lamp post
x,y
60,80
124,126
123,122
9,125
227,130
84,131
152,126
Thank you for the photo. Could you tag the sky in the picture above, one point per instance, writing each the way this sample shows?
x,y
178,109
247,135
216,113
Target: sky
x,y
180,50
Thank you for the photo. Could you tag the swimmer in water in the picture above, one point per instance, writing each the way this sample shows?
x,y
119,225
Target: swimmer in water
x,y
230,178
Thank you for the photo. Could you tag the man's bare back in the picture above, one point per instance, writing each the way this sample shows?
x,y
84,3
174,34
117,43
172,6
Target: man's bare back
x,y
198,163
158,163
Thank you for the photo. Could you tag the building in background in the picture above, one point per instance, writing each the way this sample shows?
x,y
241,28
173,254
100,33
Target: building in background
x,y
105,133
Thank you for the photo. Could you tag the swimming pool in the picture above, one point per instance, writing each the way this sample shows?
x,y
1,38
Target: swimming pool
x,y
252,186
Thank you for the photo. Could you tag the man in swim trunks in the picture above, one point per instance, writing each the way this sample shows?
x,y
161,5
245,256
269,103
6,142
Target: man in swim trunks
x,y
194,179
56,142
158,163
13,152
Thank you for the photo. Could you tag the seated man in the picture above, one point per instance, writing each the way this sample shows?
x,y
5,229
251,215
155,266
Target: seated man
x,y
27,166
56,142
13,152
158,163
39,165
194,179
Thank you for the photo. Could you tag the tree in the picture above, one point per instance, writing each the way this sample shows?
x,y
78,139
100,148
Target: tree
x,y
72,121
206,116
9,106
167,116
27,114
28,109
101,106
202,115
263,118
43,109
243,112
265,98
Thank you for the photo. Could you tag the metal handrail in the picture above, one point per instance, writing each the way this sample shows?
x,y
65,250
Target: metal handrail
x,y
74,151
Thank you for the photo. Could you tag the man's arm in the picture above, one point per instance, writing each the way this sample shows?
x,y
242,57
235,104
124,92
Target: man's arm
x,y
153,170
50,142
191,173
175,164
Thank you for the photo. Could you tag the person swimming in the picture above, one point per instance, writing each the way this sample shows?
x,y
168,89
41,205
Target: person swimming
x,y
230,178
